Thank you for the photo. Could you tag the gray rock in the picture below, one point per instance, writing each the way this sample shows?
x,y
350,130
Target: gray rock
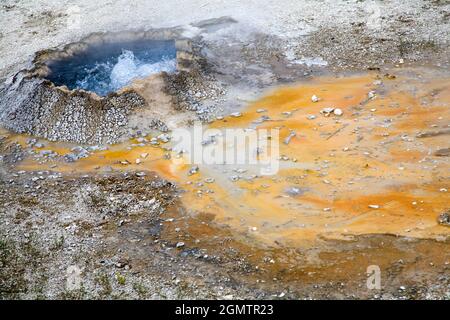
x,y
444,218
180,244
442,152
193,170
295,191
289,137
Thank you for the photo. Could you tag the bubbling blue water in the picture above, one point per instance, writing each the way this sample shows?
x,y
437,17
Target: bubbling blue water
x,y
109,67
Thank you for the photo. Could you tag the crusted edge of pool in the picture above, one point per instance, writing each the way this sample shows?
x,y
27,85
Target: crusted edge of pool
x,y
32,104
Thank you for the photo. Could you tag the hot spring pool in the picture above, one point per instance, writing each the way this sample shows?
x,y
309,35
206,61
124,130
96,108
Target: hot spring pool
x,y
107,67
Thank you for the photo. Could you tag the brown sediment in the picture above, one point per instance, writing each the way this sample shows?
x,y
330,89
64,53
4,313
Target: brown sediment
x,y
324,262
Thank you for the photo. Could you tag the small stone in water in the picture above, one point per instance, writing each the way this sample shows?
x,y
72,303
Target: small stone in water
x,y
295,191
289,137
315,98
374,206
338,112
234,178
209,180
377,82
164,137
236,114
444,218
193,170
180,244
327,111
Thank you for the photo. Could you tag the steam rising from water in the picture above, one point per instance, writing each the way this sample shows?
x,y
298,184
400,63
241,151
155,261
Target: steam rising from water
x,y
129,68
107,68
106,77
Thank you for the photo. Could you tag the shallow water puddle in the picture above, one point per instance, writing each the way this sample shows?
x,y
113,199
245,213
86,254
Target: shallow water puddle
x,y
364,172
350,177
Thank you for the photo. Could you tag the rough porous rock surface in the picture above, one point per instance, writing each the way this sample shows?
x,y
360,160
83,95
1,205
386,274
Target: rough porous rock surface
x,y
36,107
444,218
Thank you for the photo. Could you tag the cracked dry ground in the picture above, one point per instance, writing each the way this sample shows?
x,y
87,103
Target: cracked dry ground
x,y
364,188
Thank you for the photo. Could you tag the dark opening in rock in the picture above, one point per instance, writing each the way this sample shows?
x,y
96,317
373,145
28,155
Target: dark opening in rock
x,y
107,67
